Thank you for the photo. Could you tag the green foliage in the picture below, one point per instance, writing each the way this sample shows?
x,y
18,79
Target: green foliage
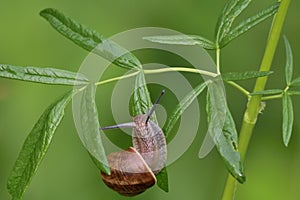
x,y
291,92
249,23
287,105
36,146
287,118
231,10
223,131
289,62
162,180
181,107
89,39
42,75
90,133
295,82
267,92
183,40
221,124
238,76
224,33
141,97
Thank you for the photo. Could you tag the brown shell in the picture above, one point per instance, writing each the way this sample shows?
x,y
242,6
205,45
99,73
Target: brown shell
x,y
130,175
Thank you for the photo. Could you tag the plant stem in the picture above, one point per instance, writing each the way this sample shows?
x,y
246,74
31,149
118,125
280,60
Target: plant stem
x,y
157,71
254,104
117,78
277,96
180,69
240,88
218,52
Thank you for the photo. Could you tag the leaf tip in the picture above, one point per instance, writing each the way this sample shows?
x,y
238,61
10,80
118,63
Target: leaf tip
x,y
105,169
45,11
286,141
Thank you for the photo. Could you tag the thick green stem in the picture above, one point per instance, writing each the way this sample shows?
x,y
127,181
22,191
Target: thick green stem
x,y
254,104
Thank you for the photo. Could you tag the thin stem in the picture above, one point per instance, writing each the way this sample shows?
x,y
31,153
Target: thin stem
x,y
117,78
277,96
180,69
253,107
218,52
240,88
156,71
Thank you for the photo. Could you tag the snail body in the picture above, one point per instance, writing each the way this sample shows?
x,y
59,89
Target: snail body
x,y
133,170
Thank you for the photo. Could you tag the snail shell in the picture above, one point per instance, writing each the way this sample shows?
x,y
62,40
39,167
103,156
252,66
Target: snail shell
x,y
130,174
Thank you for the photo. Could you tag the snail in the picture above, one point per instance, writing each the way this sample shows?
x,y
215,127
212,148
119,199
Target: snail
x,y
133,170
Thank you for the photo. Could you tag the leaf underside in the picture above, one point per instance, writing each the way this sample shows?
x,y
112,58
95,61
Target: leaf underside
x,y
296,82
223,131
249,23
42,75
267,92
90,133
183,40
89,39
35,147
287,118
289,62
238,76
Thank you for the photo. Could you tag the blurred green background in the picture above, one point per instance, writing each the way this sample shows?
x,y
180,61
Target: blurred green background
x,y
67,172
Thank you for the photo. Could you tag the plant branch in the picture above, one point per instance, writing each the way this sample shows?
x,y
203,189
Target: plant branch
x,y
117,78
252,111
218,52
240,88
179,69
277,96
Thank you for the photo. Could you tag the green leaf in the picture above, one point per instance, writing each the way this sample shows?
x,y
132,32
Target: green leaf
x,y
181,107
90,39
231,10
42,75
223,131
287,118
267,92
291,92
162,180
35,147
289,61
141,97
249,23
237,76
295,82
90,133
183,40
